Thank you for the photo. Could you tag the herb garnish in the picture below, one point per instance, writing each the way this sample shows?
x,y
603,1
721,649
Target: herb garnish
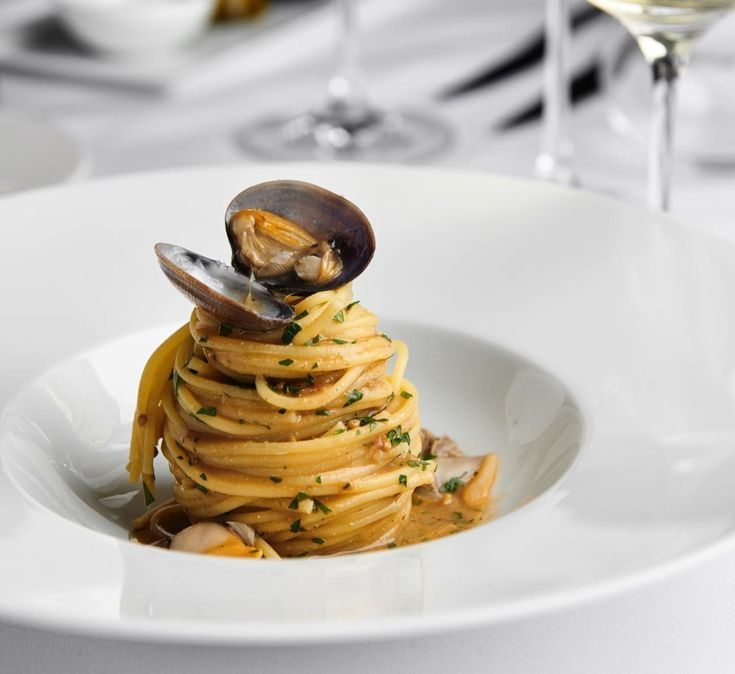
x,y
177,382
403,479
339,317
418,463
286,362
149,498
296,526
318,505
452,484
397,436
208,411
322,413
406,395
201,488
303,314
318,479
351,304
294,505
392,544
225,329
203,339
317,540
289,332
276,479
384,336
203,476
353,396
339,341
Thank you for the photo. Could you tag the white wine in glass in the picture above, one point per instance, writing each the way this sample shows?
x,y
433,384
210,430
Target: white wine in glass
x,y
666,31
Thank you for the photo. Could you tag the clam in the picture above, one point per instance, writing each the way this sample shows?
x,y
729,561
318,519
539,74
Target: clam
x,y
233,298
297,237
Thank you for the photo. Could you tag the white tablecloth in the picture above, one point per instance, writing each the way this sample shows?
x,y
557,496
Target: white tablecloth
x,y
682,625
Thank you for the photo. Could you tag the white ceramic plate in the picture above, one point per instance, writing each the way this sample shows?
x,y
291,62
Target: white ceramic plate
x,y
622,319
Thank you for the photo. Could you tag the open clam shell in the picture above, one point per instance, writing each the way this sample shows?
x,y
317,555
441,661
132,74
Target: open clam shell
x,y
327,218
222,291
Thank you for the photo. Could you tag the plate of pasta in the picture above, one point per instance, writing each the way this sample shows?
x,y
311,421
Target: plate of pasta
x,y
309,403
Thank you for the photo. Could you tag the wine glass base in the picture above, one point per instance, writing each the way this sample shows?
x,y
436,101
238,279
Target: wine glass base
x,y
34,153
375,136
552,170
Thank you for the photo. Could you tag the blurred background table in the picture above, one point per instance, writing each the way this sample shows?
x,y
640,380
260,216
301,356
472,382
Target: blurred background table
x,y
157,116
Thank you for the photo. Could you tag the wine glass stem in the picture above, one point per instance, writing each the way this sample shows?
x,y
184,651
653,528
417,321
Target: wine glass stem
x,y
346,92
555,161
665,71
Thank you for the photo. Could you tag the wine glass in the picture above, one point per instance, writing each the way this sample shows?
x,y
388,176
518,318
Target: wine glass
x,y
666,31
346,125
555,162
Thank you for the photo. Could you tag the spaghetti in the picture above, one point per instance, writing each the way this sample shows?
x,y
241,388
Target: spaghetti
x,y
301,433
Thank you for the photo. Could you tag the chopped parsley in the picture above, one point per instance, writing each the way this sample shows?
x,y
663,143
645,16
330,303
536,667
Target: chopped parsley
x,y
296,526
281,411
294,505
303,314
370,421
291,389
318,479
289,332
314,340
347,485
318,505
339,317
353,396
317,540
351,304
403,479
208,411
384,336
201,488
315,366
225,329
397,436
149,498
418,463
309,380
286,362
203,476
276,479
406,395
203,339
339,341
392,544
339,431
322,413
452,484
177,382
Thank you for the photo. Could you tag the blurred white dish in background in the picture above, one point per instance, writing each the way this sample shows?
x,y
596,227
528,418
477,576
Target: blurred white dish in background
x,y
129,28
34,153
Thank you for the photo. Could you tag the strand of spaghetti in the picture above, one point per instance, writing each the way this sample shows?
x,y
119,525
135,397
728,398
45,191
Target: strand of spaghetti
x,y
399,369
311,402
149,377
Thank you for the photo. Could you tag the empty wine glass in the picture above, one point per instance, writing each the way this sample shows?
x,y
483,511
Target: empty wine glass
x,y
666,31
555,162
346,125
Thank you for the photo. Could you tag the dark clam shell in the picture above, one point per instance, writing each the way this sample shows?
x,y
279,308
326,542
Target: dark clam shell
x,y
323,214
222,291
